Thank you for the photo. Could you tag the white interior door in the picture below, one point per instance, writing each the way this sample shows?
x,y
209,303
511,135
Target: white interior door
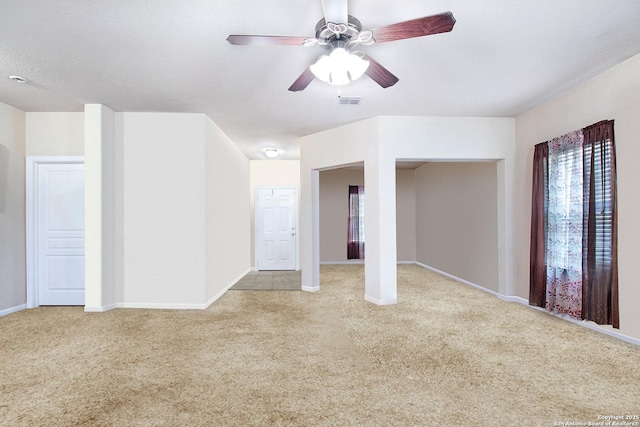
x,y
276,228
59,234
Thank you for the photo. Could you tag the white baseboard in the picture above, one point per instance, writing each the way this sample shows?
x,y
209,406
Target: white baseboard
x,y
226,288
350,262
100,309
589,325
311,288
457,279
524,301
513,298
357,262
12,309
187,306
161,306
379,301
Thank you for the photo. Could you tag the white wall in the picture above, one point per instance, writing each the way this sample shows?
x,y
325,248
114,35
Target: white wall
x,y
351,144
227,212
13,291
457,222
614,94
102,262
379,142
164,209
267,173
55,134
464,139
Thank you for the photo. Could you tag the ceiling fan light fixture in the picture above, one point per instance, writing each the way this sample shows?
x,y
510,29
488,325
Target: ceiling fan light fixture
x,y
340,67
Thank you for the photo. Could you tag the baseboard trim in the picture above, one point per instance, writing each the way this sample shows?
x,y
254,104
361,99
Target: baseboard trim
x,y
525,302
100,309
513,298
186,306
12,309
161,306
380,301
226,288
352,262
588,324
457,279
311,288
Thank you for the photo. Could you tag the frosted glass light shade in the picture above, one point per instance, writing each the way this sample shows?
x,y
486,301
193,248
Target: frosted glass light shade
x,y
271,153
340,67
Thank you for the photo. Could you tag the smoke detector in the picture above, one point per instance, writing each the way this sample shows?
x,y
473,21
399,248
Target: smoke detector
x,y
18,79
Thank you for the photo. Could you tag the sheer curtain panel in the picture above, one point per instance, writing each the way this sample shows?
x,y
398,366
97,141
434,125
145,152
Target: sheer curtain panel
x,y
573,258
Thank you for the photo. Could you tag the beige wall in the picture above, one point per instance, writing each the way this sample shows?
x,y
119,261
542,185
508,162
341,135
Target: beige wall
x,y
614,94
55,134
456,220
406,214
334,209
13,291
270,173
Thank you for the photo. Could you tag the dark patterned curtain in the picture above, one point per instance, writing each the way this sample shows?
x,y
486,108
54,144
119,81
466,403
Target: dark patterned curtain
x,y
355,229
590,244
600,247
538,264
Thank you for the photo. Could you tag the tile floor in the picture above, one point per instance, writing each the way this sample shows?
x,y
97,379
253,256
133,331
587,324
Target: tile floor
x,y
269,281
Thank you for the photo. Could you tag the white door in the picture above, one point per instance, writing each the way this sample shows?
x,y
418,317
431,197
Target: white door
x,y
276,228
59,234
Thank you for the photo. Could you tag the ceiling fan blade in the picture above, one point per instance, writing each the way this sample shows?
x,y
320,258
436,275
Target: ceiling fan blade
x,y
434,24
335,11
379,74
303,81
266,40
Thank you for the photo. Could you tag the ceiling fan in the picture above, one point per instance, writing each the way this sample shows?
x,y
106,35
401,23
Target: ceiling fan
x,y
339,34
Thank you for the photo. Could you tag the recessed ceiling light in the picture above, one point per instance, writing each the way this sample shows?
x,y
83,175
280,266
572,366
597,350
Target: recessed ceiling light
x,y
18,79
271,153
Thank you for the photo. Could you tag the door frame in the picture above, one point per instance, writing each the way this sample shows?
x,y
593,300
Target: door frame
x,y
257,252
31,209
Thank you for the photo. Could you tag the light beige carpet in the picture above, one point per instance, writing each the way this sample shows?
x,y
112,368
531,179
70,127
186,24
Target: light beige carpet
x,y
447,354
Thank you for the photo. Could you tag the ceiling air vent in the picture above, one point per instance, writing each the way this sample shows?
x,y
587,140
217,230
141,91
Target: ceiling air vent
x,y
349,100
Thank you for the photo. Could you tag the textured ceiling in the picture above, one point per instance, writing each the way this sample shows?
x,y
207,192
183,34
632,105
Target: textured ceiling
x,y
502,58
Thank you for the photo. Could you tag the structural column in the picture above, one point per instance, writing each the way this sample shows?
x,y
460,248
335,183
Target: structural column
x,y
380,230
310,231
99,129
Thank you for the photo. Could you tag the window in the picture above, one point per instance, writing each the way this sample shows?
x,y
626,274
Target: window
x,y
355,227
573,226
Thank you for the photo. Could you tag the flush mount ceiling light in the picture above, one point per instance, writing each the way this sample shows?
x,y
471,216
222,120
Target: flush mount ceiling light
x,y
271,152
340,67
18,79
